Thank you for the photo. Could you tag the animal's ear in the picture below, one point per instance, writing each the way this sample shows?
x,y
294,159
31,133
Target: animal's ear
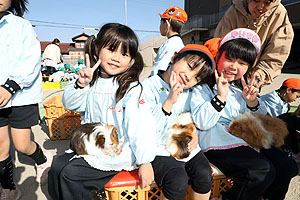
x,y
114,136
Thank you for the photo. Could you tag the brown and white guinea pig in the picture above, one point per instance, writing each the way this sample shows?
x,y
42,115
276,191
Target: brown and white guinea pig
x,y
179,134
95,139
260,131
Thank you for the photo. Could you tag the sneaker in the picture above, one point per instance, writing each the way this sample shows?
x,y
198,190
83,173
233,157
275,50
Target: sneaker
x,y
7,194
43,169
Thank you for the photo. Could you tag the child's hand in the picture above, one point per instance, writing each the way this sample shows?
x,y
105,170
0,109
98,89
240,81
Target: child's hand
x,y
193,143
176,88
146,174
85,75
222,85
4,96
250,92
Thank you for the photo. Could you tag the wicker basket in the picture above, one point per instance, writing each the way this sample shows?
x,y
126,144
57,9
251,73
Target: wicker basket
x,y
61,122
221,183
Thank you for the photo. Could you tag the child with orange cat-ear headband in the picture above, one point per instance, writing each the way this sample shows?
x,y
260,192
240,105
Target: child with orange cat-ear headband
x,y
169,94
225,96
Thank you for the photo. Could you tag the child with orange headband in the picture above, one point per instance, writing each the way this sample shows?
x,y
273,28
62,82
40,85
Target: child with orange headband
x,y
168,94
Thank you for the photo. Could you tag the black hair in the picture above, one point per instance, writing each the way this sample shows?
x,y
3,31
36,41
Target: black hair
x,y
112,35
196,58
285,87
55,41
176,25
18,7
239,48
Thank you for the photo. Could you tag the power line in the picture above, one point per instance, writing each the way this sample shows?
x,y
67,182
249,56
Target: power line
x,y
76,26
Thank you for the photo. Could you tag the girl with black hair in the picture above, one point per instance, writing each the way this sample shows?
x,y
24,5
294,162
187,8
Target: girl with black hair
x,y
107,90
256,173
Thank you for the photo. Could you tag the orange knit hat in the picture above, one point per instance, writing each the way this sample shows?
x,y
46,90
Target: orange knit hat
x,y
175,13
293,83
202,49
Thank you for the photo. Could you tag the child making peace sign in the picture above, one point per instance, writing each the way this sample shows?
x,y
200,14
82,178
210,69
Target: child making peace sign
x,y
226,95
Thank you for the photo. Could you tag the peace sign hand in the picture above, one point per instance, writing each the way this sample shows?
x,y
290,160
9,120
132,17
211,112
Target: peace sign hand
x,y
176,88
222,85
250,92
85,75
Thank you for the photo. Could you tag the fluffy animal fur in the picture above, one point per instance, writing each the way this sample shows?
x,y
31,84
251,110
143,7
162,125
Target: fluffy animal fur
x,y
95,139
179,135
260,131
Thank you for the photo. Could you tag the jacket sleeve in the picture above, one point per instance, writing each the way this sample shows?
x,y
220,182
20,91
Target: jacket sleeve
x,y
276,51
139,125
27,66
75,99
204,115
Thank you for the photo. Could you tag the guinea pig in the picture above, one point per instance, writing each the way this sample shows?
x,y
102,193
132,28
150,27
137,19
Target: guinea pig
x,y
95,139
179,134
260,131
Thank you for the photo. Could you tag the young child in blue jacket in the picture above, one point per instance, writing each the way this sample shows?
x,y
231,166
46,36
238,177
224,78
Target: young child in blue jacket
x,y
107,90
278,105
169,95
256,173
20,93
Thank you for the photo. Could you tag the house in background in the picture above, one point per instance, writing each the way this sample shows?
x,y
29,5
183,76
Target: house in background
x,y
149,48
71,52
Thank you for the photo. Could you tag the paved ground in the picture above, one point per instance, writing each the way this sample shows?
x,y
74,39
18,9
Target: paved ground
x,y
25,173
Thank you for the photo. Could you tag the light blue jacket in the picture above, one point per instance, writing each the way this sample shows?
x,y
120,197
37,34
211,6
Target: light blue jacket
x,y
213,124
275,105
156,92
131,116
20,56
166,52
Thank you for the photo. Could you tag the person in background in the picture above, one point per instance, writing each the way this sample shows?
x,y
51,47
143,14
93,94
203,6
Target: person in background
x,y
171,23
269,19
20,93
278,105
79,64
52,57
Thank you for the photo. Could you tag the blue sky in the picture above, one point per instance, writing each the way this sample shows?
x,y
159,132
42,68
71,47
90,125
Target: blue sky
x,y
141,15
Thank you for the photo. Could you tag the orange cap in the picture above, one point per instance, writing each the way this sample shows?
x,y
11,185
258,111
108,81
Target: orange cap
x,y
202,49
293,83
175,13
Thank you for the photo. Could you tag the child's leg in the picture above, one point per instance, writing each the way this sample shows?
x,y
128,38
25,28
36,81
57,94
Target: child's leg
x,y
286,168
252,173
75,179
21,119
170,174
199,171
6,165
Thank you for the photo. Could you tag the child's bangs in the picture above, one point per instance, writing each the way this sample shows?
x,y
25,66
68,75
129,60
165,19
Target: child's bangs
x,y
128,45
196,60
240,49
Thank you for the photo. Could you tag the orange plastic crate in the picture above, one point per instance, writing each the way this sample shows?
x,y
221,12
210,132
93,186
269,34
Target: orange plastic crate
x,y
61,122
125,185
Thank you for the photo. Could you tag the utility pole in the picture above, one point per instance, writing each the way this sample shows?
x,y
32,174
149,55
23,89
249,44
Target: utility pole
x,y
125,13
